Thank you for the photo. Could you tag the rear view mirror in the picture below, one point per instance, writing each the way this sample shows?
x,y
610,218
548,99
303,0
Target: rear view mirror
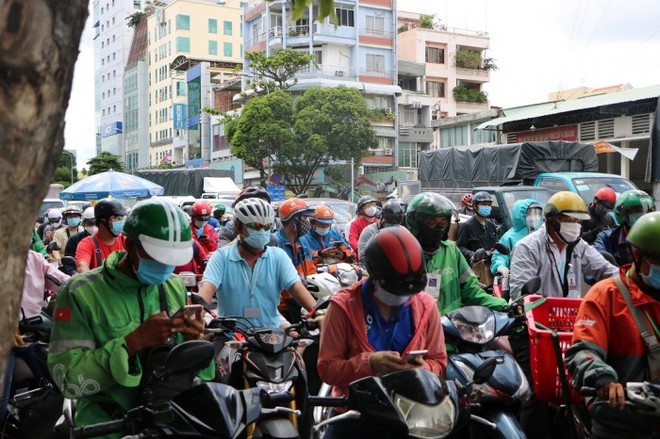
x,y
532,286
503,249
485,370
479,255
190,356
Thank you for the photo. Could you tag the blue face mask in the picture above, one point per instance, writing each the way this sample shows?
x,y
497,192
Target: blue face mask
x,y
152,272
117,227
257,238
73,222
653,278
200,224
484,211
199,232
321,231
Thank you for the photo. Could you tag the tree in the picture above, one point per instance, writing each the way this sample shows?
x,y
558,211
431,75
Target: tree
x,y
66,172
104,162
276,71
40,40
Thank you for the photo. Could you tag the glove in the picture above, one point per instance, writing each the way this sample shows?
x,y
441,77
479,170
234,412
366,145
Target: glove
x,y
503,271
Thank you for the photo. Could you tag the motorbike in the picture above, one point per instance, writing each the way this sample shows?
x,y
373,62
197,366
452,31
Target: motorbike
x,y
411,403
480,264
473,331
205,410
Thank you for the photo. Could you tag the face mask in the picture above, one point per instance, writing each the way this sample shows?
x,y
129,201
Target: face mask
x,y
117,227
91,229
484,211
322,231
152,272
302,226
389,298
633,217
429,238
371,211
200,224
533,221
55,224
653,278
570,231
199,232
73,222
257,238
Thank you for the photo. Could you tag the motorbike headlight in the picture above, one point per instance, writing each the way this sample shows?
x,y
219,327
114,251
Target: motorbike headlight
x,y
427,421
479,334
275,387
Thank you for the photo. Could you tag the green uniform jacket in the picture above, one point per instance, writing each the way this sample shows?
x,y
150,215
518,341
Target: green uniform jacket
x,y
458,284
88,359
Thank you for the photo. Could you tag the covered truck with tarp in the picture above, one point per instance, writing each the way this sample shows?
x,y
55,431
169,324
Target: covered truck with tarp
x,y
496,165
185,181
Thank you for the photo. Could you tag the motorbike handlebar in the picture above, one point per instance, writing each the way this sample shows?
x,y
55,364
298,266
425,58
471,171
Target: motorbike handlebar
x,y
101,429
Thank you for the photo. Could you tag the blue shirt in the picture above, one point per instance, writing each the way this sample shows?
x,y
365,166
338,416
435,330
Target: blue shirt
x,y
386,335
239,287
316,242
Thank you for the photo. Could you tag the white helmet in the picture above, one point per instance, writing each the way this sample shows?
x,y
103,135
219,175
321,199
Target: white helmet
x,y
322,284
54,213
254,210
88,214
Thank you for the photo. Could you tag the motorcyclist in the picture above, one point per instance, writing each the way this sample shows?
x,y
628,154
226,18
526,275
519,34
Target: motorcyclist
x,y
599,212
89,228
324,241
450,279
295,214
391,215
371,326
466,205
73,216
106,321
203,232
54,224
92,250
367,211
527,218
478,228
608,349
227,234
629,207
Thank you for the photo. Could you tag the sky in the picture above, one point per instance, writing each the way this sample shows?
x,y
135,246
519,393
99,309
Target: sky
x,y
539,46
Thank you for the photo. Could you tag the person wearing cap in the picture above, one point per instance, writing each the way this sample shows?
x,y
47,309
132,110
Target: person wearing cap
x,y
323,241
599,214
368,209
203,232
73,217
106,321
391,215
92,250
229,233
295,214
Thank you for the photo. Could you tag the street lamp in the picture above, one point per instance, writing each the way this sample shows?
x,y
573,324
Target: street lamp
x,y
70,154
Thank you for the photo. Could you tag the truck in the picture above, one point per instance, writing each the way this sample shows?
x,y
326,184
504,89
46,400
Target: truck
x,y
185,181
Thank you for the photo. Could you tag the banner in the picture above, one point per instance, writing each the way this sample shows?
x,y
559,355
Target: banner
x,y
179,119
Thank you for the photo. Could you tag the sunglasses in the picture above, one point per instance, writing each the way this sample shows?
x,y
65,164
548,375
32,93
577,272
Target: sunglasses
x,y
259,226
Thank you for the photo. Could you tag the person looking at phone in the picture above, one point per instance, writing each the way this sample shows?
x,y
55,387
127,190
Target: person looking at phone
x,y
371,327
107,319
203,232
323,241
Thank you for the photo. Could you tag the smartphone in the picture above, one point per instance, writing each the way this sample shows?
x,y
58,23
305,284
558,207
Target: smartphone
x,y
336,244
410,356
189,312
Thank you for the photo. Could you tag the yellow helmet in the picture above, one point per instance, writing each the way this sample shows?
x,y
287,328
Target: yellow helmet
x,y
566,203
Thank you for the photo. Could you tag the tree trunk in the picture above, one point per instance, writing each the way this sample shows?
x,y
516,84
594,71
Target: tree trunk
x,y
39,42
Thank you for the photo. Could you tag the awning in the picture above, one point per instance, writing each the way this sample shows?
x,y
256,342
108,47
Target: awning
x,y
381,89
604,148
385,132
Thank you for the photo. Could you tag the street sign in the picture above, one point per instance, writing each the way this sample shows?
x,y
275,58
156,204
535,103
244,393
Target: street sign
x,y
276,179
276,192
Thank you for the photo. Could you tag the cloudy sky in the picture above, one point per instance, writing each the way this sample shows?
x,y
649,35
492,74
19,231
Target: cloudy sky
x,y
539,46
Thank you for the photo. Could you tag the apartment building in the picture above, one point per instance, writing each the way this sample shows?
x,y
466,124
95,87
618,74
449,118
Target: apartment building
x,y
359,52
190,42
112,41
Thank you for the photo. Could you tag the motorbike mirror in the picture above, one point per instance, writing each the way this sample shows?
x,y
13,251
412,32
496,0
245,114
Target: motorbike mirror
x,y
485,370
196,299
502,248
188,356
532,286
609,257
479,254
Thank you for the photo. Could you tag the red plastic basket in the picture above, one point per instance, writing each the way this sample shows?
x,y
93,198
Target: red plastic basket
x,y
558,314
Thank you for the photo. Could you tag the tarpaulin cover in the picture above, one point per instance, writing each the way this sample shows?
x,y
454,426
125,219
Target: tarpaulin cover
x,y
183,181
495,165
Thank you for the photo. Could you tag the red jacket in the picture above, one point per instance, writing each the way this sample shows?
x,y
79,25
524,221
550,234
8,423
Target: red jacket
x,y
357,226
210,244
345,349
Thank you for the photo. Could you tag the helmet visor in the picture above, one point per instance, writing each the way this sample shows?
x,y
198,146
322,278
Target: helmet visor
x,y
167,252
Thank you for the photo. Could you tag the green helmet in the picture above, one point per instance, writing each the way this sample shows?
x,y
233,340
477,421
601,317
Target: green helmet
x,y
645,234
634,201
427,205
162,229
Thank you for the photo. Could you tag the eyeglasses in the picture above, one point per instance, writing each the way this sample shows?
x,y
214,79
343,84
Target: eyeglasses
x,y
259,226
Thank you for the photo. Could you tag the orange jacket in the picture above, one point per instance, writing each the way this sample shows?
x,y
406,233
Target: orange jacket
x,y
345,349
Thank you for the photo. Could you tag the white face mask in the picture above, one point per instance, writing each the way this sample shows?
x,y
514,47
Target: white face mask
x,y
91,229
533,220
389,298
570,231
370,211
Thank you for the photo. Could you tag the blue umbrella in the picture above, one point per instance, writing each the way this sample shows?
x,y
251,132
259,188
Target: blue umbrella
x,y
111,184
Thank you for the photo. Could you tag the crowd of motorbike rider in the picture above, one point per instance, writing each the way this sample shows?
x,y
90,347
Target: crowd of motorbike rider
x,y
116,308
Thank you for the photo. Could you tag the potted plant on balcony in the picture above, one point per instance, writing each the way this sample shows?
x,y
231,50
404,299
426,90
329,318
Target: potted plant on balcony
x,y
467,58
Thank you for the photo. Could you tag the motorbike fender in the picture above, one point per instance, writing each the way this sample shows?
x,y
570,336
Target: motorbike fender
x,y
276,428
507,425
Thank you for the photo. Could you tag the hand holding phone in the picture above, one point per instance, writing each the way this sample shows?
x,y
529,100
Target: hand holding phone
x,y
189,312
412,355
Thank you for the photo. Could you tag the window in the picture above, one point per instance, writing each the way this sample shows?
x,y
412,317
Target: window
x,y
114,108
182,22
113,20
103,95
375,63
213,26
102,44
113,56
227,27
407,155
436,89
228,50
113,38
213,47
182,44
103,112
114,73
435,55
375,25
345,17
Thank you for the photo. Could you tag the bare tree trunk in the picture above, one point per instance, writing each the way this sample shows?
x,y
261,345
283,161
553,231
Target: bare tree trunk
x,y
38,49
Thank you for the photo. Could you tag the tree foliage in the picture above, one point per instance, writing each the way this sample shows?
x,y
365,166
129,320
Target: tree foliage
x,y
276,72
104,162
324,124
64,172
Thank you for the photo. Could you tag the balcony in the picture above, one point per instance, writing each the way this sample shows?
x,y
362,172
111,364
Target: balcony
x,y
473,75
471,107
415,134
327,71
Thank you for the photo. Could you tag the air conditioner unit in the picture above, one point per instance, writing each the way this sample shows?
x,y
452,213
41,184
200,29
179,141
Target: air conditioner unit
x,y
388,151
388,110
339,73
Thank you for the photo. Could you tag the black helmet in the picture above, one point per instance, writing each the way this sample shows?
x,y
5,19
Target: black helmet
x,y
392,212
108,207
252,192
366,200
394,258
481,197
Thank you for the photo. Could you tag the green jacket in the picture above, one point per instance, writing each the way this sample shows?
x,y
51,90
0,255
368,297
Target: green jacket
x,y
458,283
88,359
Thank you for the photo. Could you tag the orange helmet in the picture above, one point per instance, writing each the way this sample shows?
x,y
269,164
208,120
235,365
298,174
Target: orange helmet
x,y
324,214
201,209
294,206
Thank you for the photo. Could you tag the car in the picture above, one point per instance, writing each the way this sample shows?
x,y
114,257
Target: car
x,y
49,203
585,184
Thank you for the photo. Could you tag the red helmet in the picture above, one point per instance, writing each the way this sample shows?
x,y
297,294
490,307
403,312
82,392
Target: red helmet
x,y
201,210
466,200
606,196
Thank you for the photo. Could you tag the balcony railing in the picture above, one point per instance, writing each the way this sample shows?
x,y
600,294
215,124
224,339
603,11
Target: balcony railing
x,y
376,32
327,71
